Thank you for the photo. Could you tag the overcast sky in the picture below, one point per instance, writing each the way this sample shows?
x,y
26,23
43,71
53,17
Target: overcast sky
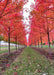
x,y
26,12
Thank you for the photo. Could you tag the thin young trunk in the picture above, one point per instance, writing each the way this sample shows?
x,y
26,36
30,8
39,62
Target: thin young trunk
x,y
35,43
38,43
0,45
52,41
41,40
48,36
49,42
16,43
9,41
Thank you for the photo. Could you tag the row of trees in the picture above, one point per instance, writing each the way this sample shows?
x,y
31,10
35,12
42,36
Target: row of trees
x,y
11,24
42,23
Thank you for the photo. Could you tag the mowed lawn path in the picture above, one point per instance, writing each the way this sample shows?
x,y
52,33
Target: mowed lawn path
x,y
30,62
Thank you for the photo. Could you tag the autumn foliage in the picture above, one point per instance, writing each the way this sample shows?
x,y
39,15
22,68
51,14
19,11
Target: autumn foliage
x,y
11,24
42,23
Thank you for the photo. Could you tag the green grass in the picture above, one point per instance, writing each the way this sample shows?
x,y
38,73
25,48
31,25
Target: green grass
x,y
5,51
30,62
45,47
2,47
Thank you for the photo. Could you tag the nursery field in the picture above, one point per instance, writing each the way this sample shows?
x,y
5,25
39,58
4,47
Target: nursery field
x,y
30,62
5,49
26,37
45,47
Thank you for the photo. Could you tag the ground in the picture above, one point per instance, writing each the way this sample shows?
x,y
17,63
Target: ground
x,y
30,62
5,49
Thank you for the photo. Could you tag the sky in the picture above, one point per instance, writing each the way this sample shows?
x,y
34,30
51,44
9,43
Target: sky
x,y
26,13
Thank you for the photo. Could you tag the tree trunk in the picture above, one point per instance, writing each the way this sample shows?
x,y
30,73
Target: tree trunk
x,y
35,43
16,43
38,43
9,41
41,40
0,45
52,41
49,42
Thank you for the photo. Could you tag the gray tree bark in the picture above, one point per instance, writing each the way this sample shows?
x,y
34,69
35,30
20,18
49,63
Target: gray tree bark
x,y
9,41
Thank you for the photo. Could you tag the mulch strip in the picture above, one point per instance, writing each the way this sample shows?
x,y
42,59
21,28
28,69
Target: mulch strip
x,y
6,60
44,52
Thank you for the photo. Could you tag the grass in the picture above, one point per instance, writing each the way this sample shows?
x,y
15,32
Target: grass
x,y
45,47
6,47
30,62
5,51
